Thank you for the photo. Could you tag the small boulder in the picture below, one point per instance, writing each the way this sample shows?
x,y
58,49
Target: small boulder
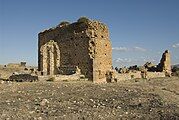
x,y
44,102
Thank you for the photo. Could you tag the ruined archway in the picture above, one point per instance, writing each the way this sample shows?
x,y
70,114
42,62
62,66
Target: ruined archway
x,y
50,58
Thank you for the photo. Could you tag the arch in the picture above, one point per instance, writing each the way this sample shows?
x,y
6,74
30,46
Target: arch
x,y
50,58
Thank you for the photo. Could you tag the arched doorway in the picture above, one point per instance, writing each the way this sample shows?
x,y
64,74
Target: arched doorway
x,y
50,58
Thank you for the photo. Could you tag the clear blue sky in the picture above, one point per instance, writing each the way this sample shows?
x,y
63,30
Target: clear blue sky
x,y
140,30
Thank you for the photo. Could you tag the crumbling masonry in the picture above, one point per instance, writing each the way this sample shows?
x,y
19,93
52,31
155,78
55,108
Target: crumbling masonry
x,y
50,56
84,44
165,63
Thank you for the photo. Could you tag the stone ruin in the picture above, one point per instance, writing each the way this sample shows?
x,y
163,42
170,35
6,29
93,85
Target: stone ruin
x,y
148,70
16,65
50,55
80,50
84,44
165,63
18,72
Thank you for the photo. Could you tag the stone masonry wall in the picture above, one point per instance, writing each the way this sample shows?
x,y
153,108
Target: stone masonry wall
x,y
155,74
128,76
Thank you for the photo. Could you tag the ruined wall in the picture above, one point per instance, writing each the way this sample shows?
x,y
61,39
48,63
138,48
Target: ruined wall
x,y
82,44
14,65
155,74
165,63
123,76
73,44
128,76
100,51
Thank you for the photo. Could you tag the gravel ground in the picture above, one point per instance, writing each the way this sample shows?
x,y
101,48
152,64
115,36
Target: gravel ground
x,y
139,99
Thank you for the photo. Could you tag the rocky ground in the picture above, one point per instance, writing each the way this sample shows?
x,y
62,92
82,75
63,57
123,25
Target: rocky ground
x,y
140,99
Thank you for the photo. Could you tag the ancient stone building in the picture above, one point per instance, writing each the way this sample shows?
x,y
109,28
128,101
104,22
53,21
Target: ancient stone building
x,y
84,44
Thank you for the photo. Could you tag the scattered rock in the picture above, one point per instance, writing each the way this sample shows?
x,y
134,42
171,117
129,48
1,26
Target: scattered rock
x,y
44,102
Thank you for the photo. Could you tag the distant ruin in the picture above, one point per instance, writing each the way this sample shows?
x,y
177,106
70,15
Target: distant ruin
x,y
148,70
165,63
84,44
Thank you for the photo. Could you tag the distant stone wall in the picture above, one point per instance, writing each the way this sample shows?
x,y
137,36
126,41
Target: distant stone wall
x,y
138,74
124,76
155,74
15,65
127,76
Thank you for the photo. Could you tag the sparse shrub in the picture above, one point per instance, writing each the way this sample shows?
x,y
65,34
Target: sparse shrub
x,y
26,69
132,76
52,79
117,69
135,67
137,79
65,80
23,78
175,71
83,20
123,70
